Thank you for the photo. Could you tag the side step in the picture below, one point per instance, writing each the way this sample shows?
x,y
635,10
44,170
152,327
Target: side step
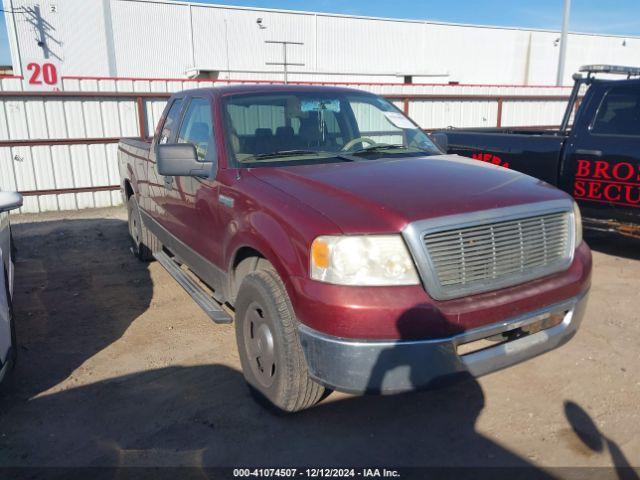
x,y
201,297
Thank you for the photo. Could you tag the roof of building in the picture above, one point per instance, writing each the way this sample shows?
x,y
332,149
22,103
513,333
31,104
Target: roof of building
x,y
201,3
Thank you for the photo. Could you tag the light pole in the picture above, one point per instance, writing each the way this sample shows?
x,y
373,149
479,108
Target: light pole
x,y
563,42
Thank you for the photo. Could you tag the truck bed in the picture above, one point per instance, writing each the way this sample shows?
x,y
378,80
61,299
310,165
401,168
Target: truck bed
x,y
136,145
534,152
133,155
511,130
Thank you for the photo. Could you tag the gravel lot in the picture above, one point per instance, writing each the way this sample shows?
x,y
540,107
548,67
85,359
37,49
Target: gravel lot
x,y
117,366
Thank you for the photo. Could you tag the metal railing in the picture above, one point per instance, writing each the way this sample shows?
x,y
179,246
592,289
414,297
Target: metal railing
x,y
142,121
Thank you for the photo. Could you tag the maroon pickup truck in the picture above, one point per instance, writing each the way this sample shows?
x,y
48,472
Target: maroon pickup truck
x,y
351,253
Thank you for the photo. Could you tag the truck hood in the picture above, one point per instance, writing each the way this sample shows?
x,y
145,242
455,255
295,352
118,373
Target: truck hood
x,y
376,196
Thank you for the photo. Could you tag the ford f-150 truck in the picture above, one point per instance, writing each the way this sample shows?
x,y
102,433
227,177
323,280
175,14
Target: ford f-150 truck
x,y
350,252
594,157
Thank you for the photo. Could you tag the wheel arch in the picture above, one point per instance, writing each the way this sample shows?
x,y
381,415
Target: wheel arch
x,y
248,258
261,236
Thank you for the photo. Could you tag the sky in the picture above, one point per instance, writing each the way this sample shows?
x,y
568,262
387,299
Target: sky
x,y
593,16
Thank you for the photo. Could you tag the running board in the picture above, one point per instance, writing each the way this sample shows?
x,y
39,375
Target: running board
x,y
212,308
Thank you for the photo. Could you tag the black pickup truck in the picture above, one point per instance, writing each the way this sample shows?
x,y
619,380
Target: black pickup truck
x,y
594,155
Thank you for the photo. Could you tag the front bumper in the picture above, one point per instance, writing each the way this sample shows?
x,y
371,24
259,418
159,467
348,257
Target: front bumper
x,y
359,366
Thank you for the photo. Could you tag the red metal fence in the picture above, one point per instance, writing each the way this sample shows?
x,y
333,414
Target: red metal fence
x,y
140,97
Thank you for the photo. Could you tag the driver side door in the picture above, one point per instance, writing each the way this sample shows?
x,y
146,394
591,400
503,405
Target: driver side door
x,y
192,197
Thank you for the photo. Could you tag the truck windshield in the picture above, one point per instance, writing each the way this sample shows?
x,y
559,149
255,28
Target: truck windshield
x,y
314,127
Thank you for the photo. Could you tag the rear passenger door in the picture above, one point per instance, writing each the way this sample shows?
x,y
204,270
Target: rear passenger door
x,y
602,158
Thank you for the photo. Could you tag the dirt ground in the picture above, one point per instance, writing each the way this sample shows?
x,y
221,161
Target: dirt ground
x,y
117,366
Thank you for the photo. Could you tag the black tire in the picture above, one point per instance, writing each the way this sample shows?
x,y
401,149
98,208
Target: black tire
x,y
270,353
143,243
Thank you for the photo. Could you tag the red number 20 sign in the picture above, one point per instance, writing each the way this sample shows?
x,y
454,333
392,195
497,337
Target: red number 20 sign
x,y
41,75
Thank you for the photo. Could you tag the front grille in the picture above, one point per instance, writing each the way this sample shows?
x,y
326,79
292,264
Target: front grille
x,y
494,255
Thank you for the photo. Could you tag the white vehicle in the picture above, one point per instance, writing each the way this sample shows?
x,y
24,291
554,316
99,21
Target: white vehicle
x,y
8,201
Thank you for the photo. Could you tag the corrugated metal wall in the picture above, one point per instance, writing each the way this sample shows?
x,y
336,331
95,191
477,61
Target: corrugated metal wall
x,y
56,119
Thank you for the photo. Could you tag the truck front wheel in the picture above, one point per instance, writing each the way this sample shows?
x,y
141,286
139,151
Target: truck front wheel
x,y
270,353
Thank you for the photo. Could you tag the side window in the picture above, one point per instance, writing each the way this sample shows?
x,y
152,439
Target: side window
x,y
171,121
619,113
197,126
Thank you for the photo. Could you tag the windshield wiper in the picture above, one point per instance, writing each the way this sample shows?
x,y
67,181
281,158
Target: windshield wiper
x,y
294,153
378,148
285,153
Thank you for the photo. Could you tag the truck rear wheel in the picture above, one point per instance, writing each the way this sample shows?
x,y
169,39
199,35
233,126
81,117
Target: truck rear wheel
x,y
270,353
143,242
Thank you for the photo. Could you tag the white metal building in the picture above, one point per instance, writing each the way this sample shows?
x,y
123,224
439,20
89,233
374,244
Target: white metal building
x,y
119,60
159,38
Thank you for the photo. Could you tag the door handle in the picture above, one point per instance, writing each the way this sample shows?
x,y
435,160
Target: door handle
x,y
594,153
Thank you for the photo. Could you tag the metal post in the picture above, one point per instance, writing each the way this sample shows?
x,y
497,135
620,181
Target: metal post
x,y
142,118
15,34
563,42
285,64
572,100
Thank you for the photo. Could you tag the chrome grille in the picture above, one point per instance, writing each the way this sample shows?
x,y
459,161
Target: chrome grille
x,y
493,255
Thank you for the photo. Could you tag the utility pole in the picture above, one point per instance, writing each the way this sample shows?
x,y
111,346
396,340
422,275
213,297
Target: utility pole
x,y
563,42
286,64
13,12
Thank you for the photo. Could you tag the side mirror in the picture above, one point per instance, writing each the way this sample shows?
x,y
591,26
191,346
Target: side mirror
x,y
10,201
181,160
441,140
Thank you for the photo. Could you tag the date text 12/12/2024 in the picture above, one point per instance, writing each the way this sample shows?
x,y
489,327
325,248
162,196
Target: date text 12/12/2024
x,y
315,473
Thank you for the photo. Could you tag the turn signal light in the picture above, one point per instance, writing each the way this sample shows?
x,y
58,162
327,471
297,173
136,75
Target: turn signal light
x,y
320,253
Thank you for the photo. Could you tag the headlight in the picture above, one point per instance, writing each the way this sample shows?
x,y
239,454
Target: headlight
x,y
362,260
577,218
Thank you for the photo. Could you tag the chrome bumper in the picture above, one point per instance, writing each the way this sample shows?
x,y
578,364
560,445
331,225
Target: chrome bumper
x,y
359,366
